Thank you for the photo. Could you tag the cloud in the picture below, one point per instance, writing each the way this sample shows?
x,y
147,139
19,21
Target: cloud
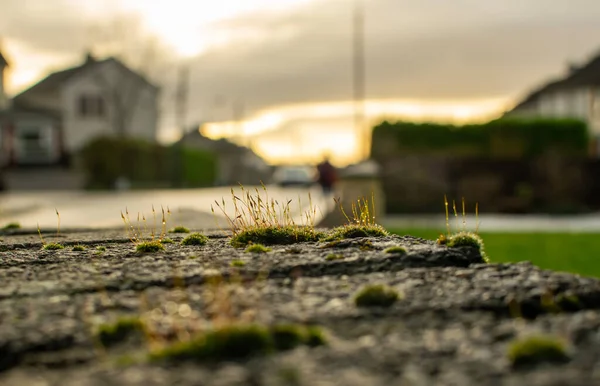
x,y
427,49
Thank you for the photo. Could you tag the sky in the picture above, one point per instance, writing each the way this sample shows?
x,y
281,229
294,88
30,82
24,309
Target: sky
x,y
287,64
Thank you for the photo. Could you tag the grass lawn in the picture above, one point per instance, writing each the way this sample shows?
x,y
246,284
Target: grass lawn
x,y
571,252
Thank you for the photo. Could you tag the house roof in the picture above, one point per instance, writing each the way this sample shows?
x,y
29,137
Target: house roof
x,y
586,75
52,82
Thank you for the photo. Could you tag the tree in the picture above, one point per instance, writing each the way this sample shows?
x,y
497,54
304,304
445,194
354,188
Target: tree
x,y
124,39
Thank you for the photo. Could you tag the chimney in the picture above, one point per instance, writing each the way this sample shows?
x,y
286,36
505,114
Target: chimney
x,y
573,68
89,58
3,96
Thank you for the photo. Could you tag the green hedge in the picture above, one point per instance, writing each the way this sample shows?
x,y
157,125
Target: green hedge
x,y
145,164
507,137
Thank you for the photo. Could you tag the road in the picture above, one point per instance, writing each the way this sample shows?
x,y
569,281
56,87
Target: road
x,y
103,209
586,223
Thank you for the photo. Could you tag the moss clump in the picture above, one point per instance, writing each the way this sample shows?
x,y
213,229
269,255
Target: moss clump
x,y
78,248
11,226
112,333
352,231
53,246
150,246
167,240
237,263
466,239
232,342
537,349
179,229
274,235
101,248
314,337
376,295
398,250
258,248
195,239
334,256
239,342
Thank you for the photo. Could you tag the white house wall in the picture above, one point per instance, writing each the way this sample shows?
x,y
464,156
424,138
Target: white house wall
x,y
78,131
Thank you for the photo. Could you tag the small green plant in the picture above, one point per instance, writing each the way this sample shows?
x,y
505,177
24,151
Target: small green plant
x,y
334,256
195,239
149,246
239,342
260,220
362,223
167,240
112,333
136,233
53,246
376,295
257,248
237,263
11,226
78,248
101,248
462,238
537,349
179,229
398,250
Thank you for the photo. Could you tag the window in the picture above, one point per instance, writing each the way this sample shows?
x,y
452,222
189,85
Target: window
x,y
91,106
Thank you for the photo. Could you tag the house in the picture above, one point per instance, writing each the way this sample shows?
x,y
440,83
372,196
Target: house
x,y
236,164
48,123
575,95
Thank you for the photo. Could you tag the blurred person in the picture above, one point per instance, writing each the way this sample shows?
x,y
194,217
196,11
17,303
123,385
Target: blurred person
x,y
327,175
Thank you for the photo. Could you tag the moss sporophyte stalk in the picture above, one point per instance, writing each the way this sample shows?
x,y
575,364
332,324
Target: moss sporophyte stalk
x,y
259,219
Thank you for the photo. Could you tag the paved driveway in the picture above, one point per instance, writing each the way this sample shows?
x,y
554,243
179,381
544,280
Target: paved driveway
x,y
102,209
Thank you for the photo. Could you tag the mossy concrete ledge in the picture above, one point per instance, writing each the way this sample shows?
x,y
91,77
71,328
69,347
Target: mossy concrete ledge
x,y
376,310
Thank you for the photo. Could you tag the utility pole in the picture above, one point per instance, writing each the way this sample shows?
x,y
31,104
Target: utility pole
x,y
238,115
362,131
181,98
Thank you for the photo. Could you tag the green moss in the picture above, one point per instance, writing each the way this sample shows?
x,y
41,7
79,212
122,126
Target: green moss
x,y
352,231
287,336
195,239
274,235
396,250
257,248
334,256
466,239
11,226
53,246
101,248
537,349
314,337
365,245
237,263
167,240
78,248
376,295
179,229
113,333
239,342
231,342
149,246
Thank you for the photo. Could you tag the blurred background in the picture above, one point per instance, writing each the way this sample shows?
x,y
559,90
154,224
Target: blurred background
x,y
107,103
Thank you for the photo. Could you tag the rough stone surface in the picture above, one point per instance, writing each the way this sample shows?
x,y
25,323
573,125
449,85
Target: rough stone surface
x,y
451,326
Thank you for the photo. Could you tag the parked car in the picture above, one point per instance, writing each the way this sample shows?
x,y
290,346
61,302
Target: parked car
x,y
295,176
